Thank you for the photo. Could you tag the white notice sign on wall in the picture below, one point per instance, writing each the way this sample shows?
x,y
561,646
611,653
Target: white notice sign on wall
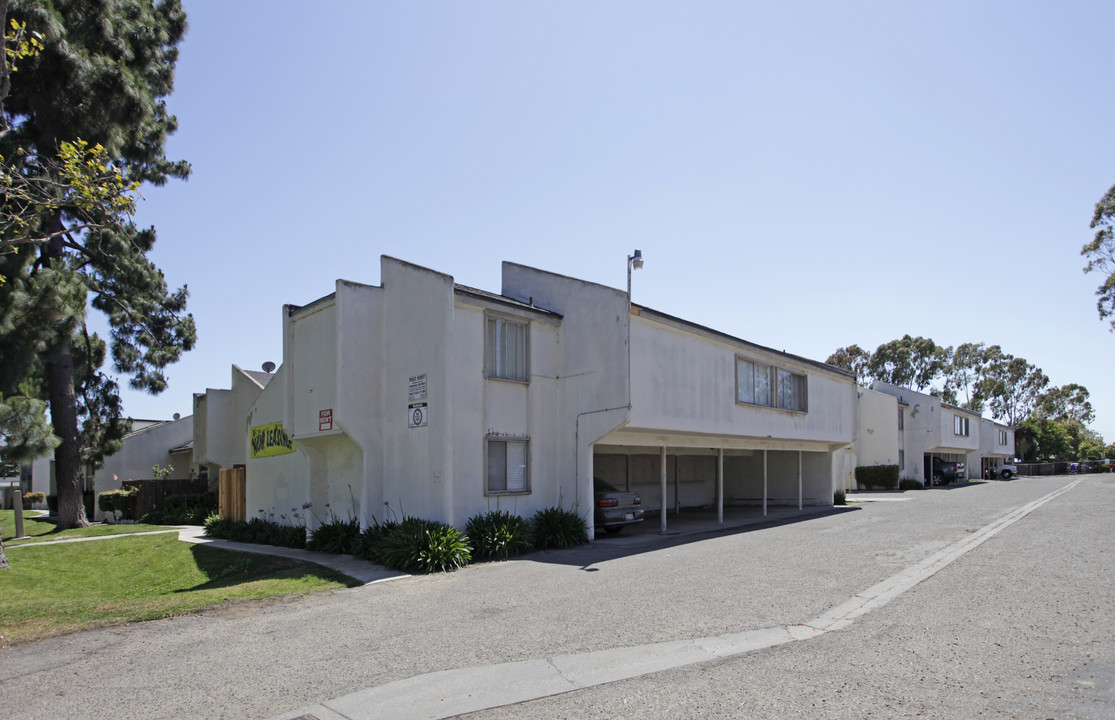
x,y
416,388
418,415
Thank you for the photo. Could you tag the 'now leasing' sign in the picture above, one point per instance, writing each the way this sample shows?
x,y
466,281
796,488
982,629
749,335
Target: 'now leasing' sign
x,y
270,440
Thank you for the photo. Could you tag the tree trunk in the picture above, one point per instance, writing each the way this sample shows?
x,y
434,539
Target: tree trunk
x,y
3,558
67,456
63,413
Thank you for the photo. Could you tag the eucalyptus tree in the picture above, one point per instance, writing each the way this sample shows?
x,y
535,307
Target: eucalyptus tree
x,y
909,362
855,360
1100,253
1012,386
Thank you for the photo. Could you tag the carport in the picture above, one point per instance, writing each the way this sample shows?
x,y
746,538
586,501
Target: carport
x,y
722,472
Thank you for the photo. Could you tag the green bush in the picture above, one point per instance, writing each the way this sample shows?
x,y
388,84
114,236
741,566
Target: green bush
x,y
31,498
256,530
369,544
423,546
121,503
335,536
838,498
497,535
556,527
877,476
216,526
910,484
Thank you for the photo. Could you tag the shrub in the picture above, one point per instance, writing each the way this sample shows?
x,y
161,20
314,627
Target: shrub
x,y
31,498
216,526
369,544
121,503
335,536
256,530
910,484
423,546
497,534
877,476
558,528
838,498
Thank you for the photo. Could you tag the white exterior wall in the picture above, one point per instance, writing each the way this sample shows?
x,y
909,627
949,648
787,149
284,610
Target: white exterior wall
x,y
220,422
877,440
685,381
588,375
141,451
961,444
274,484
990,447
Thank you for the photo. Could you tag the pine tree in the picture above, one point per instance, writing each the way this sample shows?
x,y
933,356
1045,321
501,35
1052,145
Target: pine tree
x,y
98,83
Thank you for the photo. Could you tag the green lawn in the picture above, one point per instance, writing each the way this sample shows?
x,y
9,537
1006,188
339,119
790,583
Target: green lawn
x,y
55,589
41,530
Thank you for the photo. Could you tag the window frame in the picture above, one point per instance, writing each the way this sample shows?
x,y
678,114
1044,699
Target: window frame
x,y
961,425
506,440
778,380
492,369
1003,440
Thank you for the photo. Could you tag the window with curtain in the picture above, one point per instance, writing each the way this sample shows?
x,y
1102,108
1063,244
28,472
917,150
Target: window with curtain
x,y
770,386
507,349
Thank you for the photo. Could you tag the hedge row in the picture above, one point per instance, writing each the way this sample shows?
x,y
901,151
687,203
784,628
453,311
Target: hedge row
x,y
416,545
877,476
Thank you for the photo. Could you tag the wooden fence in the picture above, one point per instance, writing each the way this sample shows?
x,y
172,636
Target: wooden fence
x,y
233,502
152,494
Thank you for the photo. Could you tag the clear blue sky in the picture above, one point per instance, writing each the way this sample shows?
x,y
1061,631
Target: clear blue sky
x,y
801,175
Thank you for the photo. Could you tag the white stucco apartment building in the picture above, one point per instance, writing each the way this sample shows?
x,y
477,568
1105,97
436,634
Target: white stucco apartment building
x,y
910,429
424,397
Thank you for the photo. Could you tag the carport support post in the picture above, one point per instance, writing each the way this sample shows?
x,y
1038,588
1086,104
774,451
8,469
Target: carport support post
x,y
799,479
764,483
662,479
720,485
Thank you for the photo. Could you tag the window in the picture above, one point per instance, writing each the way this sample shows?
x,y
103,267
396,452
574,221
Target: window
x,y
507,466
901,460
507,349
759,384
1002,437
960,425
901,419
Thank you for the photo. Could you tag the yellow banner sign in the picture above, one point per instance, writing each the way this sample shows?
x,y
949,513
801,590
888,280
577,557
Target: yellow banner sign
x,y
270,440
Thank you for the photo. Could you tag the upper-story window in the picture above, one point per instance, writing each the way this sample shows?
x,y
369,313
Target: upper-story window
x,y
901,419
770,386
1002,437
507,347
960,425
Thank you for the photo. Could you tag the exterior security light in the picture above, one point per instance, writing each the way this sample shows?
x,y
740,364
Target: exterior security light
x,y
637,260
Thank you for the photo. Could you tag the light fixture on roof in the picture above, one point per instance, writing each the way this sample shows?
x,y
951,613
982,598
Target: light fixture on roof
x,y
636,260
268,367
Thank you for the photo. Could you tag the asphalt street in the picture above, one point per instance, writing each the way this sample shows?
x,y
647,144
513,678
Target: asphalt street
x,y
1020,626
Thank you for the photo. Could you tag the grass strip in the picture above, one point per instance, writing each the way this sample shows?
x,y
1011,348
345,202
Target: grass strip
x,y
41,530
56,589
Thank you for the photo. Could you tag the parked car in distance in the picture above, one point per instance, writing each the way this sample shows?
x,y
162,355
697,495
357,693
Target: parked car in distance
x,y
947,471
1006,472
615,508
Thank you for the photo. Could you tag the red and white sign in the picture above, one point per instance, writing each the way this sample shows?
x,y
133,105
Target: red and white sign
x,y
325,420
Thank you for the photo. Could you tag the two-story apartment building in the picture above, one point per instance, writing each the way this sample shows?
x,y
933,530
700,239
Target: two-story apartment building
x,y
421,396
913,430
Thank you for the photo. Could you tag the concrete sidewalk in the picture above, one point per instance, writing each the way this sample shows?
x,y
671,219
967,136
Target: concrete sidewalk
x,y
362,570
